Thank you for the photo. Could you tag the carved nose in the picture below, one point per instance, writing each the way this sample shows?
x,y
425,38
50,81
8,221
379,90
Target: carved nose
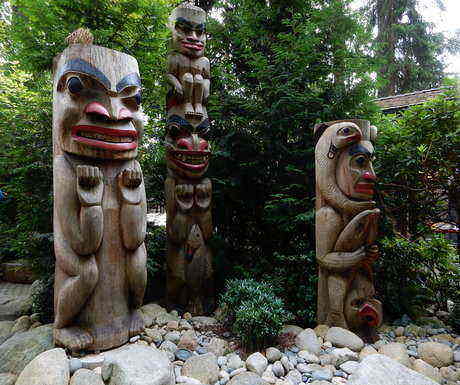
x,y
204,145
124,113
184,144
369,176
97,109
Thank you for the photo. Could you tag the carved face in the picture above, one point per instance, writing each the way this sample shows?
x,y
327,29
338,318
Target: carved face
x,y
355,174
96,108
363,312
189,38
187,153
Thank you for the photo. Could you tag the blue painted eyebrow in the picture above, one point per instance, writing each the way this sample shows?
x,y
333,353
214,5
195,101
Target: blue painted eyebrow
x,y
83,67
129,80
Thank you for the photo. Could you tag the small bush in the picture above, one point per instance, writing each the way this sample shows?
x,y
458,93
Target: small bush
x,y
413,274
454,319
155,242
253,312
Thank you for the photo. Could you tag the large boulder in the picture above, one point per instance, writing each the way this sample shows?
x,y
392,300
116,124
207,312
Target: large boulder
x,y
378,369
343,338
48,368
86,377
256,363
15,300
397,352
247,378
5,330
18,350
436,354
7,378
150,312
307,340
137,364
203,368
427,370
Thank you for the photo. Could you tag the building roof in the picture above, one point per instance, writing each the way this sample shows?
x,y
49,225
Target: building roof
x,y
397,102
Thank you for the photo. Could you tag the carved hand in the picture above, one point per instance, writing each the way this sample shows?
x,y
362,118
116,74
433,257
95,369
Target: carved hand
x,y
357,207
203,195
89,185
178,90
128,182
184,196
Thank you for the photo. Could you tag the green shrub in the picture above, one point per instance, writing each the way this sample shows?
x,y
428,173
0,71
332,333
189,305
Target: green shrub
x,y
253,311
155,242
413,274
454,319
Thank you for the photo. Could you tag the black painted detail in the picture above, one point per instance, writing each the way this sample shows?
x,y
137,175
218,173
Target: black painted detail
x,y
358,149
185,24
130,80
138,98
74,85
83,67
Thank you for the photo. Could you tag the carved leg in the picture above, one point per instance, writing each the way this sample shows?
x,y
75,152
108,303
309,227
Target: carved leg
x,y
337,287
83,277
198,91
187,84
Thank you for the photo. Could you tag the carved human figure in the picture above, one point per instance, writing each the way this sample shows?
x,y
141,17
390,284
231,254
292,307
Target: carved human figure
x,y
99,197
188,69
346,226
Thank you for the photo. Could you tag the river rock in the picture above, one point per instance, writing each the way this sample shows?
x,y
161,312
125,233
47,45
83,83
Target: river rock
x,y
5,330
247,378
378,369
343,338
397,352
18,350
272,354
86,377
203,368
307,340
367,351
349,366
48,368
7,378
218,346
234,361
321,330
256,363
137,365
309,358
150,313
427,370
436,354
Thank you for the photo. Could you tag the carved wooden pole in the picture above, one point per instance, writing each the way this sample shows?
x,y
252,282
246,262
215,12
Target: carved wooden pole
x,y
99,196
346,226
188,192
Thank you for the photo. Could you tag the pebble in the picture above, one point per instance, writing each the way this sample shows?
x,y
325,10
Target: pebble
x,y
235,372
183,354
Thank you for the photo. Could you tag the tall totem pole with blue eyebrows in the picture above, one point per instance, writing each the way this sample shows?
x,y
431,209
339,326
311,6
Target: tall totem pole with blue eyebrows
x,y
187,191
99,197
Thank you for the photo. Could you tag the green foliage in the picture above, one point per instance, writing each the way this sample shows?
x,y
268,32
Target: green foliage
x,y
413,274
417,164
253,311
155,242
454,319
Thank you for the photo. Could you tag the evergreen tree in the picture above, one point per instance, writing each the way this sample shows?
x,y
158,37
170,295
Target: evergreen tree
x,y
410,50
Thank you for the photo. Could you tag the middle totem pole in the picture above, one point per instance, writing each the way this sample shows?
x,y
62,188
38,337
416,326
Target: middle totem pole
x,y
187,191
346,226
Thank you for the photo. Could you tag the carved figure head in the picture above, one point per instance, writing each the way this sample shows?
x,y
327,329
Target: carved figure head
x,y
363,312
187,151
188,25
96,104
355,173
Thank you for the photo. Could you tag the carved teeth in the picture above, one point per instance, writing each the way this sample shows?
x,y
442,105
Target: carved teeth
x,y
106,138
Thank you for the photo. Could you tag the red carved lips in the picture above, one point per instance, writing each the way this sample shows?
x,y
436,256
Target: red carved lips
x,y
195,161
193,46
106,138
365,188
369,315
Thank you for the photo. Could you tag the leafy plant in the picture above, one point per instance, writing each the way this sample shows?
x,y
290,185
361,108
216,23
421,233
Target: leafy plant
x,y
253,311
155,242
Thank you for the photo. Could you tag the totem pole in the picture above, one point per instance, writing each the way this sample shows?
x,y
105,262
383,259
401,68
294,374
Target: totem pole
x,y
99,196
346,226
187,191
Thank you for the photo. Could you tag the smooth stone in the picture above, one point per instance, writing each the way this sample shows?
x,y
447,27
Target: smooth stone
x,y
397,352
221,361
278,369
286,364
174,337
201,350
7,378
218,346
321,375
235,372
234,361
343,338
349,366
309,358
86,377
162,319
203,321
21,348
137,365
321,330
457,356
272,354
427,370
5,330
367,351
154,334
294,376
150,312
74,365
256,363
183,354
344,354
203,368
92,361
247,378
436,354
307,340
378,369
48,368
168,346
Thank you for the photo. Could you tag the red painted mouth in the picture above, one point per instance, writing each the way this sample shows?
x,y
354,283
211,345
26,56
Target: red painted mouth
x,y
106,138
193,46
351,138
370,315
195,161
365,188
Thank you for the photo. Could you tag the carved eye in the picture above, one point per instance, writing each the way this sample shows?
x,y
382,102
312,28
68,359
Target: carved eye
x,y
74,85
361,160
138,98
346,130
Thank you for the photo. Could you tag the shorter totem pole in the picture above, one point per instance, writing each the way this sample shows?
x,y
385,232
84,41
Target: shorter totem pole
x,y
346,226
187,191
99,197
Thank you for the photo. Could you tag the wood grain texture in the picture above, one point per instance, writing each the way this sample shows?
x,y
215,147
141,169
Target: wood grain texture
x,y
346,227
99,199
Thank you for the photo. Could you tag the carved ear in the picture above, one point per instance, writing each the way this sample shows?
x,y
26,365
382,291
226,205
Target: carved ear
x,y
373,133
